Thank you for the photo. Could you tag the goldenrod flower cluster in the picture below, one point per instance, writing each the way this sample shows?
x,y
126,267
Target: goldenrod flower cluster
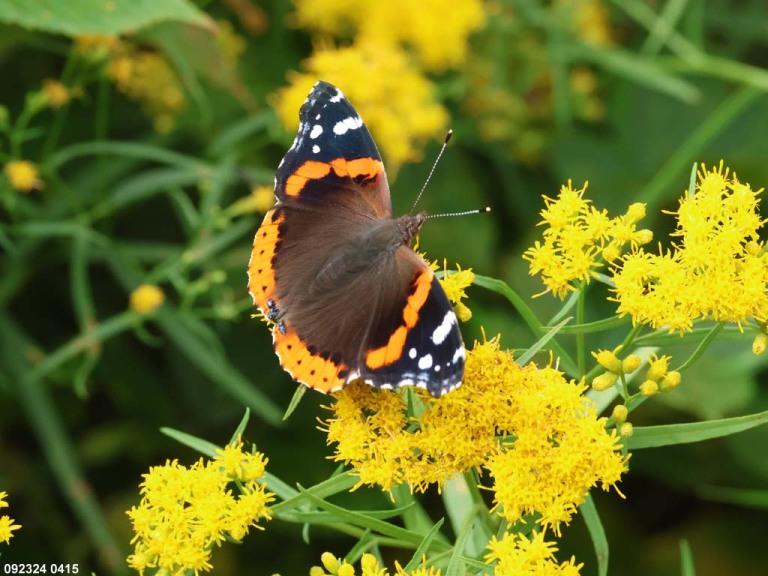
x,y
369,566
382,70
22,175
578,238
7,524
717,268
520,555
185,512
529,427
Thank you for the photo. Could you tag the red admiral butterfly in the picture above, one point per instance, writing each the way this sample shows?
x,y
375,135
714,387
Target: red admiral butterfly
x,y
333,269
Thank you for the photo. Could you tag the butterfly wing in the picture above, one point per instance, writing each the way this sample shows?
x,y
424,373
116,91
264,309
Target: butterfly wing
x,y
330,268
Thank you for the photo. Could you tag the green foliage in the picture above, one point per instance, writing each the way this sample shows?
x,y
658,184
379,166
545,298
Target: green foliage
x,y
97,16
134,187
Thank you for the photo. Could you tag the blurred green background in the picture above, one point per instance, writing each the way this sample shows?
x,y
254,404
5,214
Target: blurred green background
x,y
152,183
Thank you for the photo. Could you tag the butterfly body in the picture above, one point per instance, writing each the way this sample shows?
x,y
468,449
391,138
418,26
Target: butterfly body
x,y
335,272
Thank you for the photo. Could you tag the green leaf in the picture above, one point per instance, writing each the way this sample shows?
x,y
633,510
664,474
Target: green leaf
x,y
686,559
295,399
374,524
757,499
597,533
526,356
414,516
218,369
667,435
502,288
456,563
76,17
205,447
637,69
241,427
334,485
421,551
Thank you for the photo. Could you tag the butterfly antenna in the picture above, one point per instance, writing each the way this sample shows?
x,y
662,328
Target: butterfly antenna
x,y
464,213
432,171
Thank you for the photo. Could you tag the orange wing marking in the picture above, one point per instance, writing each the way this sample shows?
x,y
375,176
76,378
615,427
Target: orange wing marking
x,y
310,369
313,170
393,349
261,276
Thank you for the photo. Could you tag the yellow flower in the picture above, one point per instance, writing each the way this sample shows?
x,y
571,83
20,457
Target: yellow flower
x,y
396,102
184,512
7,524
56,93
369,566
398,23
560,447
717,270
649,388
22,175
604,381
239,465
147,78
575,238
760,343
455,285
620,413
519,555
657,367
146,299
591,22
609,361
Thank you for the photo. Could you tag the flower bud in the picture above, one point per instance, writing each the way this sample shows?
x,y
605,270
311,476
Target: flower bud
x,y
671,381
620,413
330,562
626,430
635,212
658,367
611,252
649,388
608,360
643,236
368,564
604,381
753,248
759,343
631,363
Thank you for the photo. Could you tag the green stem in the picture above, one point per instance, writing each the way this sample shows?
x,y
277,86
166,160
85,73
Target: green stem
x,y
703,345
45,420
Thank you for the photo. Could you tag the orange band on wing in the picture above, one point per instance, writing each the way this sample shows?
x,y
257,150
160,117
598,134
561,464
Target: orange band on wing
x,y
261,275
393,349
313,170
310,170
304,366
368,167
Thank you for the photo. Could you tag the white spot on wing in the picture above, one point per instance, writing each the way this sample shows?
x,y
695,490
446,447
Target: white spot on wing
x,y
412,353
351,123
337,97
458,355
316,131
442,331
425,362
315,148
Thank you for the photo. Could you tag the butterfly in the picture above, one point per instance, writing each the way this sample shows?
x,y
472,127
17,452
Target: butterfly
x,y
334,271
